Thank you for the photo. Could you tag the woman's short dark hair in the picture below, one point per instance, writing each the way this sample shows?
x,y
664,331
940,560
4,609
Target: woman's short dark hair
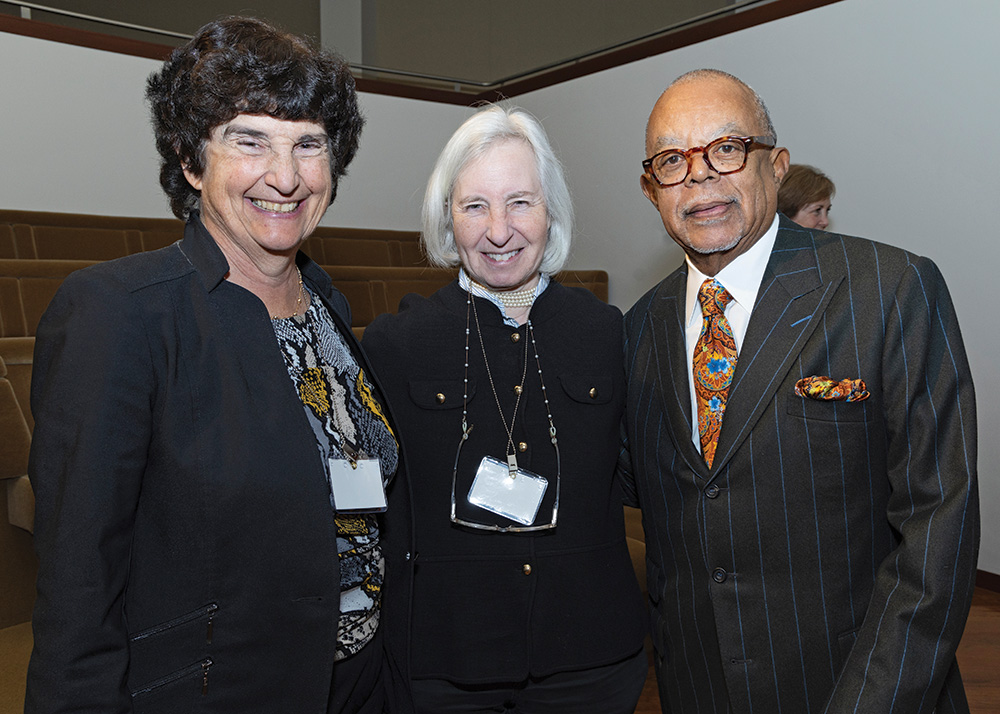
x,y
242,65
802,185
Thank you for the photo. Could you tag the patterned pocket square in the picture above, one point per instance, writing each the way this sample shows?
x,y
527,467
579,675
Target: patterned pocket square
x,y
826,389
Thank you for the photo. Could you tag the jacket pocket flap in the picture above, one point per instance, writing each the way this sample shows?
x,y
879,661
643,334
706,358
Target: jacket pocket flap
x,y
587,389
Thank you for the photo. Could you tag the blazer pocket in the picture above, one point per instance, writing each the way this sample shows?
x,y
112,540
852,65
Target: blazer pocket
x,y
829,410
437,394
587,389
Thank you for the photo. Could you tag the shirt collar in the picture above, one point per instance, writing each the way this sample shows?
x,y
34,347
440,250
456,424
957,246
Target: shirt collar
x,y
742,277
204,254
465,282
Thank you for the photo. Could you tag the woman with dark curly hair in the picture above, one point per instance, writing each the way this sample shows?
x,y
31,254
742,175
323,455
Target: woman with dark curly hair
x,y
211,452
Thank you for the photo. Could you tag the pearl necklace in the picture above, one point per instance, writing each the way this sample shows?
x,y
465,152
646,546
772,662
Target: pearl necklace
x,y
510,299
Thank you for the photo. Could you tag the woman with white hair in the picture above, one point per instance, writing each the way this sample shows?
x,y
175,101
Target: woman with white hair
x,y
508,389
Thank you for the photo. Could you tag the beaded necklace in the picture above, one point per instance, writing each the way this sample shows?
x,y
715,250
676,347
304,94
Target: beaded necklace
x,y
472,312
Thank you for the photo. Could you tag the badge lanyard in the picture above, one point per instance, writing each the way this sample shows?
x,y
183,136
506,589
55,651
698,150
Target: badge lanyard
x,y
356,482
499,487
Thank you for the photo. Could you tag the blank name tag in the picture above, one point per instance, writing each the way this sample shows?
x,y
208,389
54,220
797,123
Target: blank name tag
x,y
357,487
515,498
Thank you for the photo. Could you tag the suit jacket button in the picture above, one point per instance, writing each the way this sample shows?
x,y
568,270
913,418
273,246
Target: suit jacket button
x,y
515,337
440,398
526,568
712,491
719,575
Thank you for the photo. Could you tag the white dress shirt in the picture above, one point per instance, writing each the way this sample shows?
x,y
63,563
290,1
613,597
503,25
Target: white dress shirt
x,y
742,278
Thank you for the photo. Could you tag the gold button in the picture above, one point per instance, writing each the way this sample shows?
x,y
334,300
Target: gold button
x,y
516,337
526,569
522,446
440,398
517,389
593,392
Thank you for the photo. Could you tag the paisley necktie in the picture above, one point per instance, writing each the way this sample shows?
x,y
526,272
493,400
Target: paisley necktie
x,y
714,364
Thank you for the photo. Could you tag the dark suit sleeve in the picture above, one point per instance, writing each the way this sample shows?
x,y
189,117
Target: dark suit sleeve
x,y
623,470
91,396
905,647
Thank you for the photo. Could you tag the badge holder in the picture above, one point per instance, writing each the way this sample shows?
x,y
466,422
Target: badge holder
x,y
357,486
497,471
508,491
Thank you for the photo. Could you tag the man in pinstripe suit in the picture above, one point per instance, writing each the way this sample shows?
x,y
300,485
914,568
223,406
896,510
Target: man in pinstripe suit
x,y
825,561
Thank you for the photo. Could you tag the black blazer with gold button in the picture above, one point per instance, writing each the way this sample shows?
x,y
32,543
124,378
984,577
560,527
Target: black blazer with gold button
x,y
492,607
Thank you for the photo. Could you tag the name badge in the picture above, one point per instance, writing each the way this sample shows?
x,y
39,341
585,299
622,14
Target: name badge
x,y
507,490
357,486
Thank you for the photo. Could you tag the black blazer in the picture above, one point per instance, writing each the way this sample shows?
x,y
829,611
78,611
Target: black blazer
x,y
490,607
188,556
826,562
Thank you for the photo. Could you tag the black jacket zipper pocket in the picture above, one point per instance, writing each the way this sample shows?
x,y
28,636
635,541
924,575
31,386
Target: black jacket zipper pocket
x,y
206,611
202,666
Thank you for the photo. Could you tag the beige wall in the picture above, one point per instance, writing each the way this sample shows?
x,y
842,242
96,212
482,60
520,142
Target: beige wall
x,y
877,93
75,137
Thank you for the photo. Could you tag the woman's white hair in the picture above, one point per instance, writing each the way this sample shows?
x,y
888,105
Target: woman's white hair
x,y
476,135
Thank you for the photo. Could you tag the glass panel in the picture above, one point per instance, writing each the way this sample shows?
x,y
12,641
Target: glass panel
x,y
460,45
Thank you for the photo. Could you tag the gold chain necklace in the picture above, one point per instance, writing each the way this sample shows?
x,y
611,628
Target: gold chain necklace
x,y
298,301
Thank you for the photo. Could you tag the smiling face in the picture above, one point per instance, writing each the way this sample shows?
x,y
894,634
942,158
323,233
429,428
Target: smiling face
x,y
815,214
499,217
713,217
265,186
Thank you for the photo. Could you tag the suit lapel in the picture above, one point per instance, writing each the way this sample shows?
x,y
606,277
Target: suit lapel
x,y
789,306
665,321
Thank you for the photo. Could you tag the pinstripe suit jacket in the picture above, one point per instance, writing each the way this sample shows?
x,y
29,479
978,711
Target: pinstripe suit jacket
x,y
826,562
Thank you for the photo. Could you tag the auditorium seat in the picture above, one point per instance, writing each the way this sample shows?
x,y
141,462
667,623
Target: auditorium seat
x,y
34,235
26,287
17,353
18,563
